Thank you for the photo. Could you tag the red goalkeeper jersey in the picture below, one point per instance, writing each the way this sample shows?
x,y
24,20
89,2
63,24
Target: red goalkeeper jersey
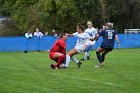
x,y
59,46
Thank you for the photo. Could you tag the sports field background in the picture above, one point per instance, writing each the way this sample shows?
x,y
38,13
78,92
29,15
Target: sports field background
x,y
30,73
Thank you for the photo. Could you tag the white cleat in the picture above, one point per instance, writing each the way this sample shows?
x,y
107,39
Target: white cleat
x,y
98,66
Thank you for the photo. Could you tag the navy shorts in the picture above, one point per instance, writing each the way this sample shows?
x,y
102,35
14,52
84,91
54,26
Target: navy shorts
x,y
106,47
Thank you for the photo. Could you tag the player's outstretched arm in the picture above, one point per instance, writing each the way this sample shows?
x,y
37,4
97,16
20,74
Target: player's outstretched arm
x,y
95,38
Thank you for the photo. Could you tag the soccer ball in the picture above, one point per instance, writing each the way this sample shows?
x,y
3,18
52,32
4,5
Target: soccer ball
x,y
62,65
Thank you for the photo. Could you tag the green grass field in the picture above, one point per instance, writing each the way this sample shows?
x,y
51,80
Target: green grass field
x,y
30,73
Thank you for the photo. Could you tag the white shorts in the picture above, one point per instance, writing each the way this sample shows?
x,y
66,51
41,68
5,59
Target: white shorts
x,y
79,48
90,42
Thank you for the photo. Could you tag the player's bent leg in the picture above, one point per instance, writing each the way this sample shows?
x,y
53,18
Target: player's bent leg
x,y
103,55
72,53
87,56
87,52
55,56
84,50
74,59
88,48
60,61
99,57
85,46
103,58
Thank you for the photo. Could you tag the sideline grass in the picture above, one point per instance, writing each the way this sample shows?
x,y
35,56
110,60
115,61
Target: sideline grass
x,y
30,73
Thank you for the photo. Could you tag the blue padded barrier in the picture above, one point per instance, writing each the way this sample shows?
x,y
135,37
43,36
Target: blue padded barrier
x,y
46,42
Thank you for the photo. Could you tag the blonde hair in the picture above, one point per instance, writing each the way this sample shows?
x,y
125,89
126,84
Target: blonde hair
x,y
89,22
109,24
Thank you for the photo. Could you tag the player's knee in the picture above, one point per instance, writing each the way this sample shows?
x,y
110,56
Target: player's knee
x,y
70,53
67,57
97,53
63,56
103,54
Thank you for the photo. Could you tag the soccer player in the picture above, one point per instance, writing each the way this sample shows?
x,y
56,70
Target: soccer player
x,y
109,35
81,39
89,44
58,51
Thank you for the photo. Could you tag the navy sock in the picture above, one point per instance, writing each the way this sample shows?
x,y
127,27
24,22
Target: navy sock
x,y
103,57
99,57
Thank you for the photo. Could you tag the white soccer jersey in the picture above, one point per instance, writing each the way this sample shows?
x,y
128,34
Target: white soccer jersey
x,y
81,40
92,33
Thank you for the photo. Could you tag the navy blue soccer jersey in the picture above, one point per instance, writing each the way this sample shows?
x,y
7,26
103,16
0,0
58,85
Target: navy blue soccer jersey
x,y
108,37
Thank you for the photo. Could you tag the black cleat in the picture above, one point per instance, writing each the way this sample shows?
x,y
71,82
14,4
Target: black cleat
x,y
82,59
79,64
52,66
64,67
88,57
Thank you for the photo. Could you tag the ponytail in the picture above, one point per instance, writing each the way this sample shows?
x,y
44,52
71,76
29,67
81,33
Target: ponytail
x,y
80,26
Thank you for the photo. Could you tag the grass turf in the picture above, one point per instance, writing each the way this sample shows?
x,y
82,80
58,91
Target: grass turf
x,y
30,73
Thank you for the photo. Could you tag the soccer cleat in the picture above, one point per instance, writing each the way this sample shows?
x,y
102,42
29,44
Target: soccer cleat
x,y
99,65
88,57
82,59
52,66
55,67
62,66
79,64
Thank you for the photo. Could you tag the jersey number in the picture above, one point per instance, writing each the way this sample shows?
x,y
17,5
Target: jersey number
x,y
81,40
110,35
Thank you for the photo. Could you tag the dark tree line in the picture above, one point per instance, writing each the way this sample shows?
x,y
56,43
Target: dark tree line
x,y
24,15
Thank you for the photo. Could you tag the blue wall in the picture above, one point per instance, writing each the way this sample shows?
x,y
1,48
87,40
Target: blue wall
x,y
45,43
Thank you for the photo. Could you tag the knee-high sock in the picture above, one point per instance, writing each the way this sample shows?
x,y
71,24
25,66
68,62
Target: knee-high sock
x,y
67,61
74,59
103,57
60,60
99,57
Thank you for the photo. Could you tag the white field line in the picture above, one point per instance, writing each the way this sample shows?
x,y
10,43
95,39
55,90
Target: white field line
x,y
91,80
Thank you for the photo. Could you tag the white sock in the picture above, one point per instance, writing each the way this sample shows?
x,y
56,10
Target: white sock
x,y
74,59
86,54
67,61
